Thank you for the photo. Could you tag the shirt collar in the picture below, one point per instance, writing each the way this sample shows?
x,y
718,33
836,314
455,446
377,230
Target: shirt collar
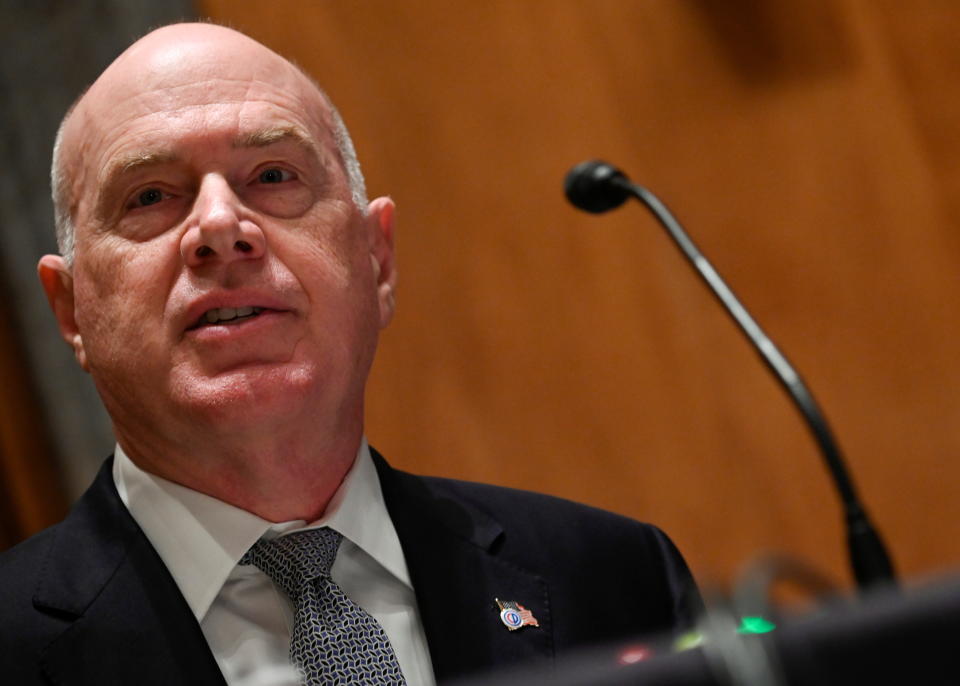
x,y
200,539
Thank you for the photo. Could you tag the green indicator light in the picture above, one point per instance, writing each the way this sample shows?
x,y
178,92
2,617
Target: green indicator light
x,y
755,625
691,639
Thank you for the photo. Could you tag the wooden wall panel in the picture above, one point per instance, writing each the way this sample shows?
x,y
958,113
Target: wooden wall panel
x,y
809,148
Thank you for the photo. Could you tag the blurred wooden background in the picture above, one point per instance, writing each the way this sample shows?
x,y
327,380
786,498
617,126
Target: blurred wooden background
x,y
812,149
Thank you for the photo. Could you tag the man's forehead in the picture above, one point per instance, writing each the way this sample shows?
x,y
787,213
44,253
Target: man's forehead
x,y
189,70
192,65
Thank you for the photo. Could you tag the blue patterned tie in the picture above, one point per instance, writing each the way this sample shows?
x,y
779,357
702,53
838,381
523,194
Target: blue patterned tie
x,y
334,640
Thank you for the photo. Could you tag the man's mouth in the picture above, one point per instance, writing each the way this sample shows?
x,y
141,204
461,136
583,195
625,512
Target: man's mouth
x,y
227,315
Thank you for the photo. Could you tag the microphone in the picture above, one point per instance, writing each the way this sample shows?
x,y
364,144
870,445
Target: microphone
x,y
596,186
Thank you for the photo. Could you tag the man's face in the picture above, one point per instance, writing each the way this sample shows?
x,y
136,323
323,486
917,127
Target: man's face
x,y
222,273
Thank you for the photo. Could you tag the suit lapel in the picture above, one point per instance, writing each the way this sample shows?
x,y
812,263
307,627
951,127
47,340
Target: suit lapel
x,y
451,551
125,619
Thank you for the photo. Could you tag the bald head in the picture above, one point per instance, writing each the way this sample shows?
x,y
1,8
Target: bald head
x,y
157,67
228,280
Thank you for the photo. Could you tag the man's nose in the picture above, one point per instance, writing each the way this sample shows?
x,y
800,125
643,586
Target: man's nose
x,y
220,228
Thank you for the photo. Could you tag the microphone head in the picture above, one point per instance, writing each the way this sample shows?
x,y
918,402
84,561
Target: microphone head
x,y
595,186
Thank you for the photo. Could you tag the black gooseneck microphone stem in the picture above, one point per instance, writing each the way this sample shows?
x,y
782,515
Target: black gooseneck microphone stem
x,y
869,559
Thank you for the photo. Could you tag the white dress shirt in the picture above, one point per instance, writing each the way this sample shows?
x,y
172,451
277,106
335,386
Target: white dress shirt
x,y
245,618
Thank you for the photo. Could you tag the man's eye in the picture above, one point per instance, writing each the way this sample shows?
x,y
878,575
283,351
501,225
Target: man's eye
x,y
274,175
151,196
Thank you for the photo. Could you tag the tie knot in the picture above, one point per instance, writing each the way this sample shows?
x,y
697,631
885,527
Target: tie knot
x,y
296,558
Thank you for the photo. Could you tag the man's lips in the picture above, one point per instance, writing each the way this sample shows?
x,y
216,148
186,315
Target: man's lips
x,y
230,309
228,315
264,337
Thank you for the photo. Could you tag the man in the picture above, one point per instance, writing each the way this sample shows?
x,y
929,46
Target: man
x,y
223,279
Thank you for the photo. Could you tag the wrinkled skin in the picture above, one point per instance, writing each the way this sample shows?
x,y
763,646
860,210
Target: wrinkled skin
x,y
204,176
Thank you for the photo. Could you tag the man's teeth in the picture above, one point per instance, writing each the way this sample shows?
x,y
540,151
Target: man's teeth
x,y
224,314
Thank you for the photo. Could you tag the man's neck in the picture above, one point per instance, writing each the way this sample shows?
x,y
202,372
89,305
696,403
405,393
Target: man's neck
x,y
278,480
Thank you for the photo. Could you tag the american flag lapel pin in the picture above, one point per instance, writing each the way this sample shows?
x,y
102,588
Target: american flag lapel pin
x,y
514,615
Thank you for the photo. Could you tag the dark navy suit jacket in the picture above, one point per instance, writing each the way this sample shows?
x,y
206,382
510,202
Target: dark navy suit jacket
x,y
89,601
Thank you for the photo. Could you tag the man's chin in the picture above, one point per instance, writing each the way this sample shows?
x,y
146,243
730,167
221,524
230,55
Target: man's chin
x,y
246,393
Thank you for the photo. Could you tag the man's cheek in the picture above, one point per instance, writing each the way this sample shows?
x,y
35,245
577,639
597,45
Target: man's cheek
x,y
116,319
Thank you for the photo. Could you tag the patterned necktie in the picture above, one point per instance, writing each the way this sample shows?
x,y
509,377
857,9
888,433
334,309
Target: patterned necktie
x,y
334,640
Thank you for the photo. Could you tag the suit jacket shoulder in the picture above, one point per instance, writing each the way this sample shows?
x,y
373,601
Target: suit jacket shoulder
x,y
89,601
588,576
19,569
588,545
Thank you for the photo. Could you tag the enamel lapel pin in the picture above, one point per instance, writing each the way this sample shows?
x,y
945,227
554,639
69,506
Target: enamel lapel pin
x,y
514,615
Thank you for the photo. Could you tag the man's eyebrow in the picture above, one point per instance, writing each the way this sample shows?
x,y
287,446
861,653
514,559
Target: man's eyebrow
x,y
265,137
255,139
137,160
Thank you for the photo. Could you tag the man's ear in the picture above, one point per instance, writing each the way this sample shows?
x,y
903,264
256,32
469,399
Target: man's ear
x,y
381,214
57,282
